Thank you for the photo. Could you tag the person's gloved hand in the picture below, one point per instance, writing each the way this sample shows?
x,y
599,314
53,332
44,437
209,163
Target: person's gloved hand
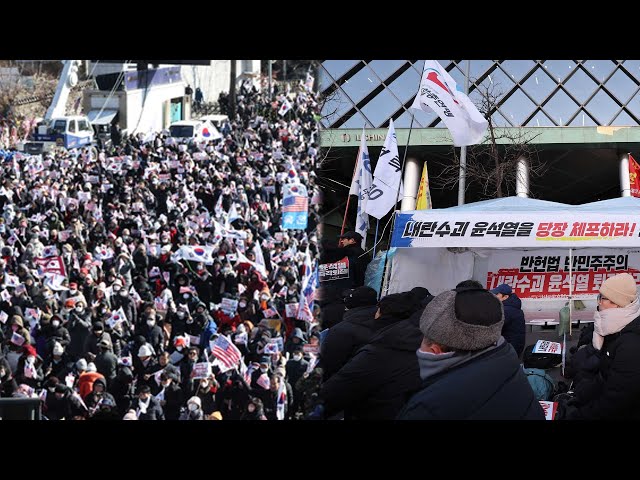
x,y
317,413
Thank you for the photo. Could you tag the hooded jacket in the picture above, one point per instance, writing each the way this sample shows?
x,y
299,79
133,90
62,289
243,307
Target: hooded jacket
x,y
514,328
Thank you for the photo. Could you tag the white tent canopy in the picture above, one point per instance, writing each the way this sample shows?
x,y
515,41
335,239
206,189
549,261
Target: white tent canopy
x,y
519,241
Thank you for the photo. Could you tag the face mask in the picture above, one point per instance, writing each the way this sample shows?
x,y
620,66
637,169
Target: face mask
x,y
179,348
166,383
204,384
193,407
297,357
242,304
190,320
79,309
31,360
55,323
280,282
73,292
123,293
116,289
181,314
151,323
263,369
186,296
264,298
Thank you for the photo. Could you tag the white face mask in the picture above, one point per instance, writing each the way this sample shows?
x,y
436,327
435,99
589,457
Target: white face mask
x,y
204,384
151,323
297,357
193,407
116,288
55,323
263,369
181,314
179,349
73,292
79,309
31,360
242,304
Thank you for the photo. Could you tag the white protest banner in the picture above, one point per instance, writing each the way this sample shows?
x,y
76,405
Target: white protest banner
x,y
544,273
545,346
312,349
291,309
5,296
442,228
194,340
3,317
229,306
550,409
201,370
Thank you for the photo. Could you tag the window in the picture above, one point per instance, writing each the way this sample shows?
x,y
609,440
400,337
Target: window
x,y
72,126
59,126
183,131
83,126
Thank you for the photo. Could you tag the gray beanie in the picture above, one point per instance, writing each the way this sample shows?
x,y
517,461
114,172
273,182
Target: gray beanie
x,y
463,320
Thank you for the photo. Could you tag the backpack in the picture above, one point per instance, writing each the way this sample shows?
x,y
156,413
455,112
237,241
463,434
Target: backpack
x,y
540,360
542,384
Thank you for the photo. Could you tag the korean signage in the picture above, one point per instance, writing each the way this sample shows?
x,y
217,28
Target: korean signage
x,y
334,271
577,229
544,273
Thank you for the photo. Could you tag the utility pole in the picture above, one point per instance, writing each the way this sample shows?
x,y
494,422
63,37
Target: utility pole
x,y
232,91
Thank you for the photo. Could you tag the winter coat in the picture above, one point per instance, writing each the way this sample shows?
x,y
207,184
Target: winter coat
x,y
107,364
494,385
79,327
92,341
86,381
614,390
514,328
374,383
174,398
342,341
154,410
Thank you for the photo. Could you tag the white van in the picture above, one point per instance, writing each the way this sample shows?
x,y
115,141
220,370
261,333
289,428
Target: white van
x,y
194,130
217,120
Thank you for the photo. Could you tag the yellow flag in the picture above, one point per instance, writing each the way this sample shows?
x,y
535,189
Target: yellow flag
x,y
424,194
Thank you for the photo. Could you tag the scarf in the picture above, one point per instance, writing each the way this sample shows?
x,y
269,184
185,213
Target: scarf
x,y
432,364
612,320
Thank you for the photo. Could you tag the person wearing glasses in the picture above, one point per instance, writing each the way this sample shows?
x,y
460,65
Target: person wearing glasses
x,y
607,384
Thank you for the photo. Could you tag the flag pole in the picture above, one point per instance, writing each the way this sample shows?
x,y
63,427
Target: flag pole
x,y
346,210
375,240
404,162
462,176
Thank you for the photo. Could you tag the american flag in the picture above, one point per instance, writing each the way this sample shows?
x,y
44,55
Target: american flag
x,y
295,203
225,351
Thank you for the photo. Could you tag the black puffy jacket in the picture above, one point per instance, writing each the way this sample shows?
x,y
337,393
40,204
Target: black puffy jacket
x,y
343,340
491,386
375,382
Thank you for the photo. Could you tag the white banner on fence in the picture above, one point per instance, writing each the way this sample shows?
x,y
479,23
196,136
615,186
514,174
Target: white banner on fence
x,y
430,228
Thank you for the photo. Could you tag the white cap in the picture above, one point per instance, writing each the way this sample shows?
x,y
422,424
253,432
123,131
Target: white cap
x,y
81,364
58,349
144,351
91,367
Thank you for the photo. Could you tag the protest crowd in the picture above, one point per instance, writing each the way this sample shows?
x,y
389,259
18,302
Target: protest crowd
x,y
165,280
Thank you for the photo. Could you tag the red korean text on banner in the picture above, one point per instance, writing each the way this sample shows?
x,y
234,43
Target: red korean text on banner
x,y
634,177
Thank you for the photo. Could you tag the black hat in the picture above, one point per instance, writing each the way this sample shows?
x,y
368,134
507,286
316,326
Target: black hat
x,y
355,235
398,305
361,297
98,326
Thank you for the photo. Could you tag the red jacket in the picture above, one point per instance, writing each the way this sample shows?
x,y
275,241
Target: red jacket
x,y
222,318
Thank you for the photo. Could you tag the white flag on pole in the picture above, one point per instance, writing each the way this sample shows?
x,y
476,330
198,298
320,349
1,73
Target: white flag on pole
x,y
387,176
360,186
439,93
